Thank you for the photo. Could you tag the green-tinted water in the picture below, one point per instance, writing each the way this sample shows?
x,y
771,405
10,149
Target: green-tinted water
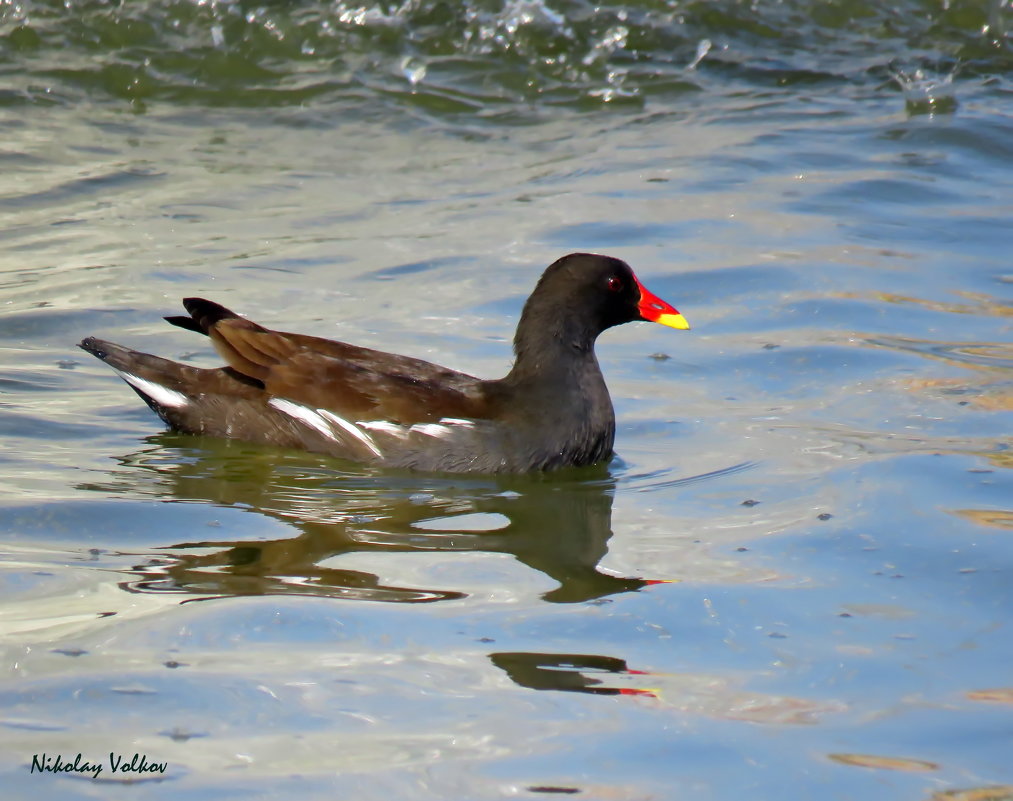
x,y
819,470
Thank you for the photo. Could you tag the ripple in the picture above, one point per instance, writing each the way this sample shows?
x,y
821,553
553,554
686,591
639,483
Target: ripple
x,y
649,483
997,355
455,56
78,187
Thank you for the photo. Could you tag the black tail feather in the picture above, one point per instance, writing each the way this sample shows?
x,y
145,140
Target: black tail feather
x,y
186,322
203,315
206,313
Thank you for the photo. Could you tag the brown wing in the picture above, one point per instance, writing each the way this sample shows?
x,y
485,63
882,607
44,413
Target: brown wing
x,y
356,383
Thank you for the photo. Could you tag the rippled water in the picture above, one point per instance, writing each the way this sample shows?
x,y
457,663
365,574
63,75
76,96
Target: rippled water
x,y
794,581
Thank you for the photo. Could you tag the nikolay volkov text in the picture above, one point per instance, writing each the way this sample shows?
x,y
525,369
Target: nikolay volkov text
x,y
44,763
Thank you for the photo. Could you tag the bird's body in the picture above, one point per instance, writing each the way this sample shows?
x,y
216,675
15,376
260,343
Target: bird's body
x,y
296,391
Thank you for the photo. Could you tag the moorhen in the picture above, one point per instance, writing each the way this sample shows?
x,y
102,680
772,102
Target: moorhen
x,y
295,391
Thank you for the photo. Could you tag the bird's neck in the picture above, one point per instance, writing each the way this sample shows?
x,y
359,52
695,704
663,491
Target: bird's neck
x,y
556,386
550,341
554,358
563,402
560,375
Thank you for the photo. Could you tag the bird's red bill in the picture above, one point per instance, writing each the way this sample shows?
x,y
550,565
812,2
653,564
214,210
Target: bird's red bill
x,y
655,310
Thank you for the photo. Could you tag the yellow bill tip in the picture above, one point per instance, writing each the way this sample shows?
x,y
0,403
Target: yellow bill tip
x,y
673,321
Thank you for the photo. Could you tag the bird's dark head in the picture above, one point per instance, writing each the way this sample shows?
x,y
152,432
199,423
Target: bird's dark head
x,y
582,294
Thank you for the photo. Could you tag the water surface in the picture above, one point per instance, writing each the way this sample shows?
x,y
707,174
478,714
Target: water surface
x,y
792,582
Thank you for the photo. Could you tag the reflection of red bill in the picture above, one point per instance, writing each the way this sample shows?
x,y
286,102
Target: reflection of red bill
x,y
634,691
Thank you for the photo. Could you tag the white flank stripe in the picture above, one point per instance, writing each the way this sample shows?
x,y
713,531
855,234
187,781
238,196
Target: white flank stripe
x,y
364,438
163,396
385,426
431,429
303,415
457,421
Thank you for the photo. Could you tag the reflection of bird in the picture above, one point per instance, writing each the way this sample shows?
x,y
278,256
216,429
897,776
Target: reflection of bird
x,y
567,672
296,391
309,523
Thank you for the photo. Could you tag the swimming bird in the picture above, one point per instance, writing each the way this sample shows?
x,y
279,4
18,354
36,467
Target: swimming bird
x,y
551,410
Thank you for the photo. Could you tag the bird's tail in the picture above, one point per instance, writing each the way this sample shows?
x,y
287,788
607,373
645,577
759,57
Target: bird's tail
x,y
203,315
161,383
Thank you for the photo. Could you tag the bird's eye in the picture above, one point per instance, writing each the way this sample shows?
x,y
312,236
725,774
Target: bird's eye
x,y
615,284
